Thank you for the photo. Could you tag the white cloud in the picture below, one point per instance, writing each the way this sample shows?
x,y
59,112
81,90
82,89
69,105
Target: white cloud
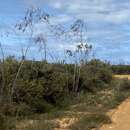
x,y
95,10
61,18
105,21
113,11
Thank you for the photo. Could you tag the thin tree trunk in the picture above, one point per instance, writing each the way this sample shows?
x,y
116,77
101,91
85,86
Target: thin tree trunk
x,y
77,81
17,74
74,76
3,74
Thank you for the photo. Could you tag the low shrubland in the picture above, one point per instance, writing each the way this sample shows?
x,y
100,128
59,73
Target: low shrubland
x,y
43,87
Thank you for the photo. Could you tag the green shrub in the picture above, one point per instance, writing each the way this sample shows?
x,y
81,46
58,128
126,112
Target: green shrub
x,y
40,106
8,109
95,75
124,85
105,75
41,86
6,123
2,122
23,109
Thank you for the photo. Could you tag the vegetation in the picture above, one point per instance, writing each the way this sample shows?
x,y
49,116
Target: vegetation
x,y
36,94
121,69
43,87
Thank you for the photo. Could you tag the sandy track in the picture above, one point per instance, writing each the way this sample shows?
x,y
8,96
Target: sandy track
x,y
122,76
120,118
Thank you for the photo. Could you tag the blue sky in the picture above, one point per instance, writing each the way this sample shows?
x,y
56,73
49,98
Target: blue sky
x,y
108,23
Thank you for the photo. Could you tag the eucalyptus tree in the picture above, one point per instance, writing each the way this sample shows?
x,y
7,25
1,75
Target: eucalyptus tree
x,y
26,27
81,52
33,17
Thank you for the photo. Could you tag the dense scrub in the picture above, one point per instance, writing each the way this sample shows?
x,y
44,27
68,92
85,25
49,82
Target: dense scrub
x,y
43,87
85,111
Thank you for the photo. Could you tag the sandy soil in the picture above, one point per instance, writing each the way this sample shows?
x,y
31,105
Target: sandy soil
x,y
120,118
122,76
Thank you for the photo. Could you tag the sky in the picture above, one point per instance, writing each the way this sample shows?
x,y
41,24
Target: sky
x,y
108,25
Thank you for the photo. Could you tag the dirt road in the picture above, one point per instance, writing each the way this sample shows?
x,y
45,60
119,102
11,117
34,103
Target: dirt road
x,y
120,118
122,76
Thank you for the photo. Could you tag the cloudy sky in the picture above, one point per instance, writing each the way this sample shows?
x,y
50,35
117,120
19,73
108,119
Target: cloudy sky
x,y
108,23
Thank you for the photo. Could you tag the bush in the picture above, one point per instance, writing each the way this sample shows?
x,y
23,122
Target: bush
x,y
41,86
21,109
40,106
95,75
2,122
6,123
105,75
8,109
124,85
